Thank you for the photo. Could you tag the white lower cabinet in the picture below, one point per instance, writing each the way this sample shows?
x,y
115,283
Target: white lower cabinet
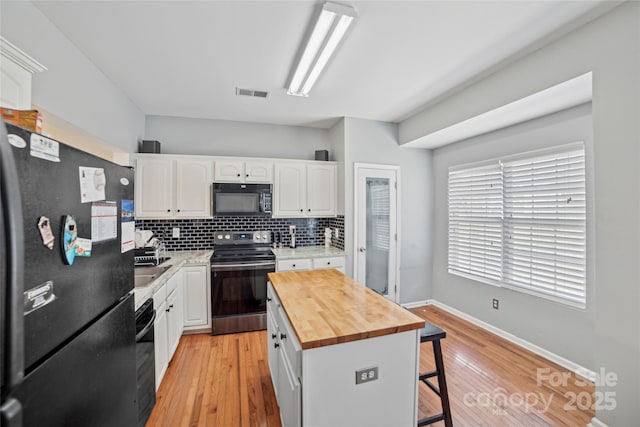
x,y
197,296
289,393
284,354
161,342
167,301
294,264
174,320
320,263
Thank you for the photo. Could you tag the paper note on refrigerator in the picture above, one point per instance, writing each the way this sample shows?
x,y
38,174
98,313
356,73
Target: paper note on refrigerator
x,y
127,239
104,221
92,184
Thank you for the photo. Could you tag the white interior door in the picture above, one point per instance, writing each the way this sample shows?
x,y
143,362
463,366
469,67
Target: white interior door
x,y
376,230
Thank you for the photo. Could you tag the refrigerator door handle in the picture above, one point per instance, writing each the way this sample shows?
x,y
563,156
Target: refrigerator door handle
x,y
11,414
11,205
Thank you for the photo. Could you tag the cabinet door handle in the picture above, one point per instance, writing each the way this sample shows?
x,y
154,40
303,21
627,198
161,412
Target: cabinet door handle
x,y
247,175
171,306
309,210
168,210
238,174
178,210
293,265
283,336
276,345
273,336
328,262
301,210
167,310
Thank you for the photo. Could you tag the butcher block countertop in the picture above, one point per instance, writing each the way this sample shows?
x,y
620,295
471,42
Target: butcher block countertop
x,y
325,307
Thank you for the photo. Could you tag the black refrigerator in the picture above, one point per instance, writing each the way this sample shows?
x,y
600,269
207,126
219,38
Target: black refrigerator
x,y
67,322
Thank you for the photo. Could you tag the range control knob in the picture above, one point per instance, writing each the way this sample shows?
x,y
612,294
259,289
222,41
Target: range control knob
x,y
219,236
227,236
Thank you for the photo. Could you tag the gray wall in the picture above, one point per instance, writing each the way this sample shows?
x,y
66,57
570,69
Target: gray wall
x,y
610,47
563,330
72,87
367,141
229,138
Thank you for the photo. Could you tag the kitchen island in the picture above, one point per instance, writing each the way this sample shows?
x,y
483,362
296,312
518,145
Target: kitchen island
x,y
339,353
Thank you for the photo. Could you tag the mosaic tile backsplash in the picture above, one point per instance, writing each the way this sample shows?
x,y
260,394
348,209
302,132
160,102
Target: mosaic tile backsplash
x,y
197,234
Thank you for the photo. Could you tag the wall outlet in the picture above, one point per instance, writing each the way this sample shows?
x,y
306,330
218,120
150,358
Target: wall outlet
x,y
175,232
292,229
366,375
495,303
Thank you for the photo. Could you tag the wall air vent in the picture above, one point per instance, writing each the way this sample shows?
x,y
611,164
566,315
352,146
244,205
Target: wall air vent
x,y
251,92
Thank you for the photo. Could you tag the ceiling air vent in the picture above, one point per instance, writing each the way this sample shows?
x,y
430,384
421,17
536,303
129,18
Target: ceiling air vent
x,y
251,92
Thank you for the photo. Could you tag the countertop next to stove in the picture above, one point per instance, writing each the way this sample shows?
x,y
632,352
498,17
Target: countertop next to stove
x,y
306,252
178,259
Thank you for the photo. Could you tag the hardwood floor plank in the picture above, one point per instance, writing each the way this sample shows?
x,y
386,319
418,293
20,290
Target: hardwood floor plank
x,y
224,381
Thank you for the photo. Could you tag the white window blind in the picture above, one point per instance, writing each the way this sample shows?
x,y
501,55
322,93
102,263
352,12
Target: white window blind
x,y
545,225
520,222
475,222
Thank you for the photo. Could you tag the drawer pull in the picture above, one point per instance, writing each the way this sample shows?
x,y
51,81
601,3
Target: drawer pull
x,y
273,336
283,336
269,299
276,345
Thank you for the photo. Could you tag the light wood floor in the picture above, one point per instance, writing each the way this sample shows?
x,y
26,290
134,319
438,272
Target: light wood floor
x,y
224,381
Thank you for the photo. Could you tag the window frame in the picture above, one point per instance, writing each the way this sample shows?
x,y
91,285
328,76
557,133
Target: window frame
x,y
506,280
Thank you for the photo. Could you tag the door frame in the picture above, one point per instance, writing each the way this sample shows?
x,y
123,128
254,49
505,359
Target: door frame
x,y
356,169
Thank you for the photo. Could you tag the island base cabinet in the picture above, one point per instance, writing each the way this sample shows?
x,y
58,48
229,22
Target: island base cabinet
x,y
331,397
289,393
273,352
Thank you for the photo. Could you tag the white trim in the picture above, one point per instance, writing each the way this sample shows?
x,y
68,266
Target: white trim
x,y
15,54
396,168
570,93
416,304
565,363
596,423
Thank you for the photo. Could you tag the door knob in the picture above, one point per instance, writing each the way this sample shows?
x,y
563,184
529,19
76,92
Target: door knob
x,y
362,249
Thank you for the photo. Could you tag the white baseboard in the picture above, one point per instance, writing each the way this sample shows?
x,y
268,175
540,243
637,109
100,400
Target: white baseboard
x,y
565,363
415,304
596,423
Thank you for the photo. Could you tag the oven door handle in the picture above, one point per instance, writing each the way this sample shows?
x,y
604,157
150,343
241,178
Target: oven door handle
x,y
250,266
147,327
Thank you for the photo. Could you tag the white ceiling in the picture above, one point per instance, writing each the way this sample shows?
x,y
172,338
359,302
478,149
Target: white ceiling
x,y
185,59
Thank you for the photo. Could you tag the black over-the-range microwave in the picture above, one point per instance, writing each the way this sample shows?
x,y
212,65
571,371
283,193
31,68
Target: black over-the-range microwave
x,y
241,199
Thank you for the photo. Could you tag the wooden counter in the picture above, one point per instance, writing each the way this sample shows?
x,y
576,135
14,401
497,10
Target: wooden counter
x,y
326,307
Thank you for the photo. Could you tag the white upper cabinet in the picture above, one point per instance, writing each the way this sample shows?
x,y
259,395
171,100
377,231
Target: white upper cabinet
x,y
173,188
305,189
290,190
321,190
154,188
170,186
16,68
243,171
193,188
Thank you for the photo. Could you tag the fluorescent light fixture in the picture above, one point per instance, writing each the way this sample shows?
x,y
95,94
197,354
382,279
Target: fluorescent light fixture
x,y
331,26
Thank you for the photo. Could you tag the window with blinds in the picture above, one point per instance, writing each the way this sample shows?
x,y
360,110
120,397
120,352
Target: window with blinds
x,y
475,222
521,222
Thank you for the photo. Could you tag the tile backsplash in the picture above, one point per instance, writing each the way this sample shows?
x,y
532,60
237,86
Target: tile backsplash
x,y
197,234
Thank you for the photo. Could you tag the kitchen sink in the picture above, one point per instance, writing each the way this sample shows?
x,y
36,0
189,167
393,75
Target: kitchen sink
x,y
146,275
